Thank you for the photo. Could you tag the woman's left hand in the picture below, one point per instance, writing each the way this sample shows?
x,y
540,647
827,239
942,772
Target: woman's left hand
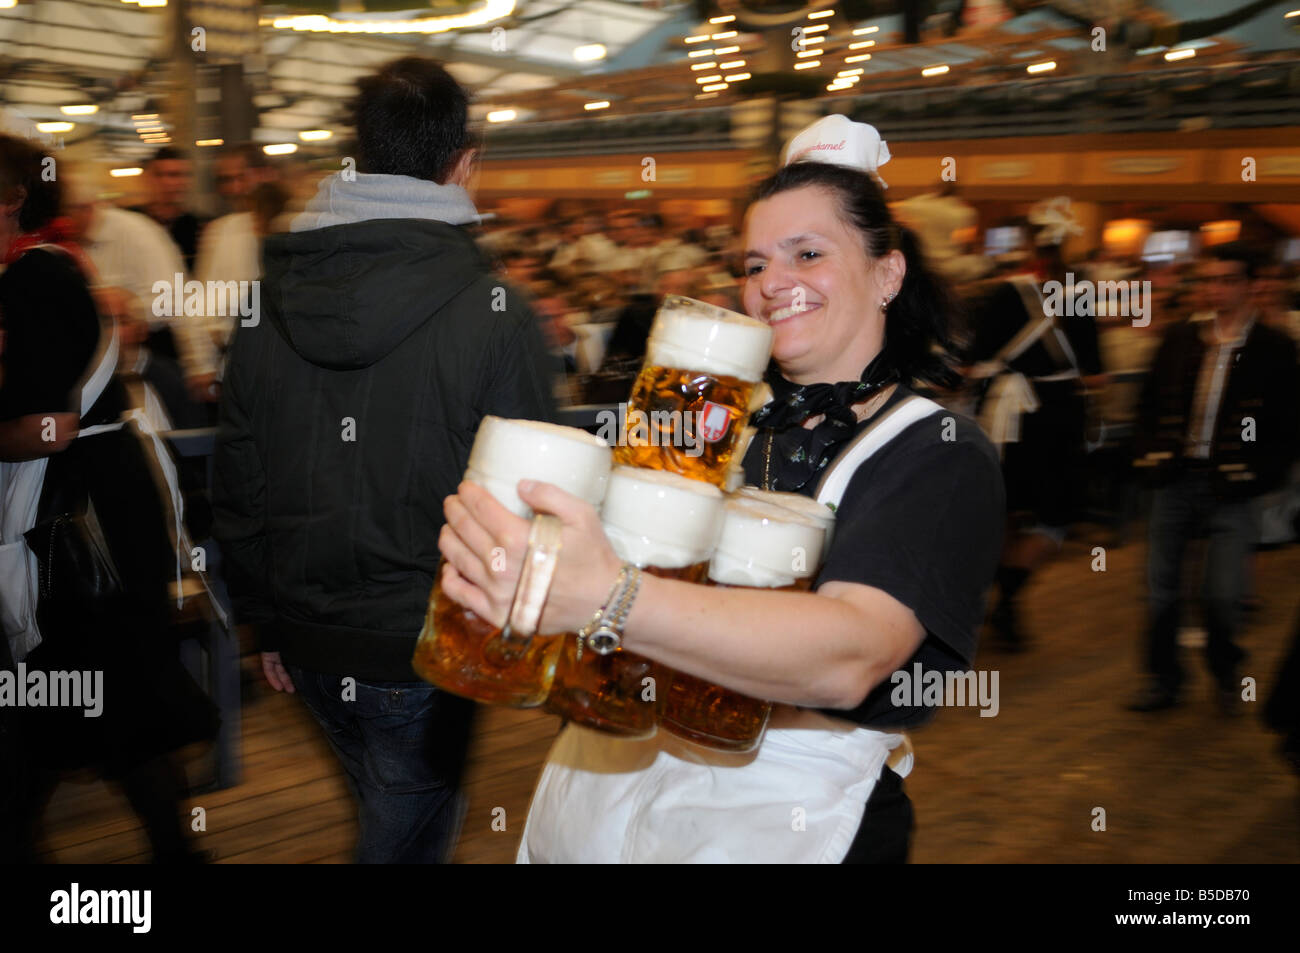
x,y
484,546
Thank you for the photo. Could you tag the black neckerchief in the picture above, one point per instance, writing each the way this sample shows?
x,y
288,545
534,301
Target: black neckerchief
x,y
799,454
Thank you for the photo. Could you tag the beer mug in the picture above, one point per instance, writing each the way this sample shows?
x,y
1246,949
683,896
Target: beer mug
x,y
805,506
762,546
691,400
462,653
666,525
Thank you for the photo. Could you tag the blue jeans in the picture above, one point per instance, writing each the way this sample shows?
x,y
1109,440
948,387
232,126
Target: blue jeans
x,y
403,745
1185,510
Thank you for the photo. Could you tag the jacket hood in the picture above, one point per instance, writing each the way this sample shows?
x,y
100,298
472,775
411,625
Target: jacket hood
x,y
348,197
345,296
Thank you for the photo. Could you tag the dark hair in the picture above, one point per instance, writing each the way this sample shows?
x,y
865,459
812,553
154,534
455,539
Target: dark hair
x,y
920,323
1247,255
411,119
250,152
166,153
22,166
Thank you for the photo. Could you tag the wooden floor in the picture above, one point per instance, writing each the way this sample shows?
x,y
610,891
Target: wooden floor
x,y
1182,786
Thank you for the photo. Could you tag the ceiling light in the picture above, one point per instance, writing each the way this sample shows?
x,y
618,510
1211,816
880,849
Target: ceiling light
x,y
736,77
1041,67
316,23
281,148
589,53
734,64
315,135
860,58
850,72
711,64
865,30
821,13
700,53
697,39
501,115
706,95
806,53
863,45
124,172
709,79
724,50
819,28
55,126
715,87
933,70
1183,54
727,19
807,64
209,142
86,110
725,36
599,104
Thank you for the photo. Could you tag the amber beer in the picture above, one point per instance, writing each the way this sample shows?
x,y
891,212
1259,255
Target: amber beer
x,y
463,653
665,524
762,546
691,400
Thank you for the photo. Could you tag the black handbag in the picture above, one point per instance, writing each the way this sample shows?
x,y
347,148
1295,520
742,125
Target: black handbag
x,y
75,566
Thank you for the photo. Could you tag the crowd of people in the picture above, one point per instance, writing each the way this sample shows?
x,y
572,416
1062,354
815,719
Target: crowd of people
x,y
371,310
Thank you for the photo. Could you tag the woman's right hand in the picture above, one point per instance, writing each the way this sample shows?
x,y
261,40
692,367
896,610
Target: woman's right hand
x,y
485,545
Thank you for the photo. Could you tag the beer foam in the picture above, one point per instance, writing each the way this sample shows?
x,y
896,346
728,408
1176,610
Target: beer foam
x,y
695,336
507,451
762,544
657,518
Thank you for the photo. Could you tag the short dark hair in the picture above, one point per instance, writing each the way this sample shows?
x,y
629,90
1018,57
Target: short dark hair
x,y
250,152
1246,254
167,152
21,167
411,119
921,322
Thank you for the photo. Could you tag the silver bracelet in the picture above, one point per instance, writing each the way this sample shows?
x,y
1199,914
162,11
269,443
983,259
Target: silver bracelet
x,y
604,633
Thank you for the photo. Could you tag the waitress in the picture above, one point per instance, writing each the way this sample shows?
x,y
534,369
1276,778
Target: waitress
x,y
857,320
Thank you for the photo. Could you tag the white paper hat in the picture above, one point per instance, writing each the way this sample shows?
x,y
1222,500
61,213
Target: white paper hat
x,y
838,140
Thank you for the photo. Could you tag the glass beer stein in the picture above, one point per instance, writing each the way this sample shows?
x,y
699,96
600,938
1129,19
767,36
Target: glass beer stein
x,y
761,547
691,400
463,653
666,525
805,506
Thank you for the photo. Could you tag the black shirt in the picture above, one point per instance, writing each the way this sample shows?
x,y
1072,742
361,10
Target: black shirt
x,y
51,333
999,314
922,520
184,230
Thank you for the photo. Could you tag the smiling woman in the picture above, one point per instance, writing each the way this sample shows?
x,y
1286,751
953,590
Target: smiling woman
x,y
857,318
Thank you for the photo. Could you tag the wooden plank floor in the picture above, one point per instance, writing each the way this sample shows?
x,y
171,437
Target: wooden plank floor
x,y
1182,786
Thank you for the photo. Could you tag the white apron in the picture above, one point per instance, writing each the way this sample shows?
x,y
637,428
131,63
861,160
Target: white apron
x,y
799,798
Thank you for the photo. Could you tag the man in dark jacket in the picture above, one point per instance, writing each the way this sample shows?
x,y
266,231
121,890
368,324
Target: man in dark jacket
x,y
1217,426
347,415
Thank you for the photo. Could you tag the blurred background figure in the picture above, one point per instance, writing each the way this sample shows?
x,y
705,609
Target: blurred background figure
x,y
1217,427
132,253
1036,364
167,178
59,362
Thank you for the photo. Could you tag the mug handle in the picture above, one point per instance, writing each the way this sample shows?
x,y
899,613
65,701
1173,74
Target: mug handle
x,y
540,561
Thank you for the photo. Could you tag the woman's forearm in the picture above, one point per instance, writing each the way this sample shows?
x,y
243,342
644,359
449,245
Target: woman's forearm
x,y
794,647
35,436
